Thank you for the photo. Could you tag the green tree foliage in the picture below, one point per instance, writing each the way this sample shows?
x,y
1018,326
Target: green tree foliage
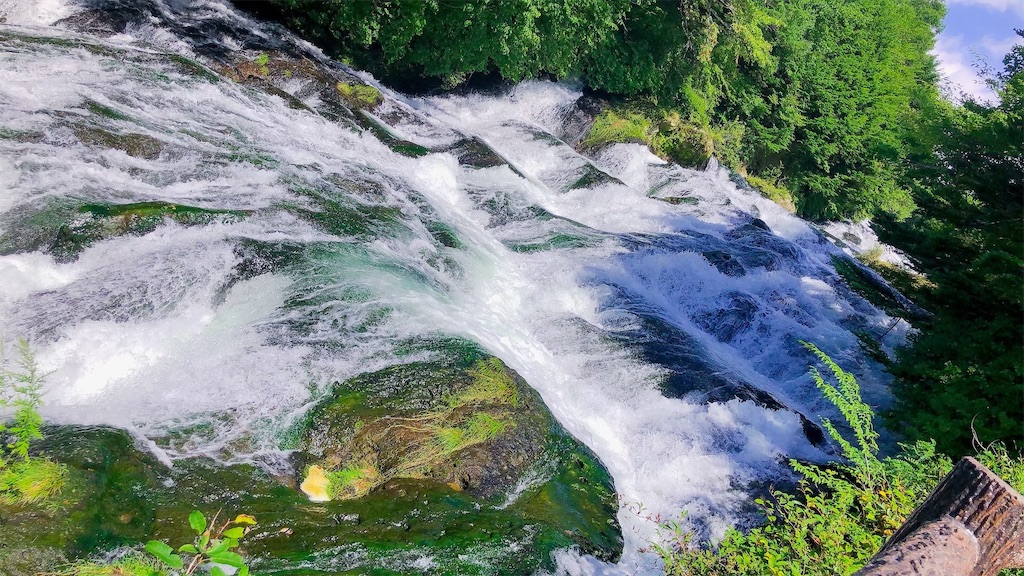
x,y
861,76
824,93
966,368
841,513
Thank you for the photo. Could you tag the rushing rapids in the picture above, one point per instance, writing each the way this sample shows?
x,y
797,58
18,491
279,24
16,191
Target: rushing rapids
x,y
202,235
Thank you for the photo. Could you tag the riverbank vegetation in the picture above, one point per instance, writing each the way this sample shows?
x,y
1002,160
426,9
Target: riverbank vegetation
x,y
841,513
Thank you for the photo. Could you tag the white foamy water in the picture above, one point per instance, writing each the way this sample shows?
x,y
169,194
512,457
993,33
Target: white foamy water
x,y
632,294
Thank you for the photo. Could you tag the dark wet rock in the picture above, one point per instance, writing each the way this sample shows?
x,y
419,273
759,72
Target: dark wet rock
x,y
725,262
591,177
731,318
758,223
204,28
136,145
65,228
475,153
385,134
677,200
691,374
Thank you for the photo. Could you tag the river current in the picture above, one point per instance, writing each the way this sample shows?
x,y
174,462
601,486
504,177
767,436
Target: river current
x,y
658,310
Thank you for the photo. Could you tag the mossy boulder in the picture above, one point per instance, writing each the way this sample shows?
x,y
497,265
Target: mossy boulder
x,y
464,423
476,429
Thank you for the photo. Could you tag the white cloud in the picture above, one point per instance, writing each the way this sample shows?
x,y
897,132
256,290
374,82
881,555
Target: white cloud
x,y
955,60
1000,5
998,47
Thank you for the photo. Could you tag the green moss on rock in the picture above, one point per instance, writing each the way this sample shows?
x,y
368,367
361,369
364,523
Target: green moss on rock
x,y
91,223
359,95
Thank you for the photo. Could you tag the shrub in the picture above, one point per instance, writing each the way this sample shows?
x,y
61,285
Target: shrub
x,y
20,390
842,512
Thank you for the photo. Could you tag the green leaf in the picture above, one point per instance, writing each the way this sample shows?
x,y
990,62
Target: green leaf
x,y
216,571
165,553
197,521
244,519
236,532
243,571
228,558
220,546
189,548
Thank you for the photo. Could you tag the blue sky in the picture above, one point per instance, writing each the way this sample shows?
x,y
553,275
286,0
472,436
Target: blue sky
x,y
976,29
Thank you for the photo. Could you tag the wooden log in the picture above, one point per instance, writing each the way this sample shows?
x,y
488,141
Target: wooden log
x,y
972,524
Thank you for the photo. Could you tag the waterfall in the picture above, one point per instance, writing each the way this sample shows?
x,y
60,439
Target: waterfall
x,y
658,310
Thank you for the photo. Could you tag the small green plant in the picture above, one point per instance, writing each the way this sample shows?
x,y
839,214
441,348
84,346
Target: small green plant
x,y
262,63
20,390
353,480
24,479
212,546
32,481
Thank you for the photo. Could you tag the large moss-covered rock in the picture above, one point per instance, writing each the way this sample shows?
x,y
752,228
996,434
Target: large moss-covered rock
x,y
462,423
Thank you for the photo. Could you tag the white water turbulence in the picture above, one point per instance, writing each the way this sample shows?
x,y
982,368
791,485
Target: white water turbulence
x,y
657,310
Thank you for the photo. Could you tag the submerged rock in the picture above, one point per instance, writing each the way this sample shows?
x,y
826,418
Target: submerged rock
x,y
94,222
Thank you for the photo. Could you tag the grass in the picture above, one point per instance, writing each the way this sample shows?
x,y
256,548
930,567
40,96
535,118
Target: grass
x,y
480,428
132,564
353,480
32,481
491,385
360,95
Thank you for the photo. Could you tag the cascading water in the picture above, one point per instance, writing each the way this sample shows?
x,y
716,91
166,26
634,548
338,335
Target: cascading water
x,y
657,310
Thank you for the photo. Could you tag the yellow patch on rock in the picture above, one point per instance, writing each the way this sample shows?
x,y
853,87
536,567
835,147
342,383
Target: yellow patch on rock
x,y
315,485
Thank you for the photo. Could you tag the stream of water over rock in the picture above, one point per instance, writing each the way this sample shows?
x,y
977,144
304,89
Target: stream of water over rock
x,y
291,245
